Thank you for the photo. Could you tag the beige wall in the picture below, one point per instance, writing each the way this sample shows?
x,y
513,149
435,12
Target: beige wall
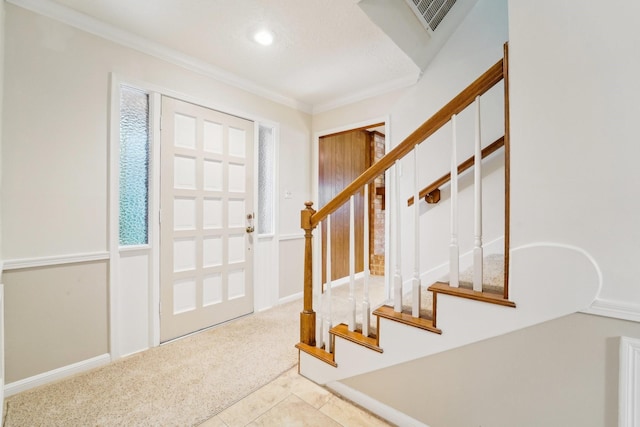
x,y
56,131
574,113
54,317
56,178
560,373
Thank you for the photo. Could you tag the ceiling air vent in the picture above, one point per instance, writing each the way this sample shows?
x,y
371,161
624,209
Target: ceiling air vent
x,y
431,12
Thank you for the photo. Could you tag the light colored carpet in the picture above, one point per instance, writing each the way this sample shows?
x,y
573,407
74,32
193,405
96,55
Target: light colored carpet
x,y
493,281
182,383
340,301
493,278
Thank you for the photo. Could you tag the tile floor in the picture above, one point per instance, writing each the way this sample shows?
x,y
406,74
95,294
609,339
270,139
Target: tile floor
x,y
292,400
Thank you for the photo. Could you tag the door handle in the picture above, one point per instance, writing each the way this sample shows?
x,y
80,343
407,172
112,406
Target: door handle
x,y
250,228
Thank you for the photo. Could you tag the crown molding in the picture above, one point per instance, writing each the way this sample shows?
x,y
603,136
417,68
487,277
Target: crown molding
x,y
91,25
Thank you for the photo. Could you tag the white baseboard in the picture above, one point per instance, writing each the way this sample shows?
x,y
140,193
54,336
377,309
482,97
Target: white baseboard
x,y
616,309
380,409
56,374
290,298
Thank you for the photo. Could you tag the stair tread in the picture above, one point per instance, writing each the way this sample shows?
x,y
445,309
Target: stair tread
x,y
490,297
318,353
388,312
342,331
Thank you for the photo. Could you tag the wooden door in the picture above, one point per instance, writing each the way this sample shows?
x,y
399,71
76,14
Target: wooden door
x,y
343,157
206,257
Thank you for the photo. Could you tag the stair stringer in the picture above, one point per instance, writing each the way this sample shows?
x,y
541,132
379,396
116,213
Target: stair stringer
x,y
548,280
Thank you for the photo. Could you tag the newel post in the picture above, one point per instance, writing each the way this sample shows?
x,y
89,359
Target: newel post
x,y
307,315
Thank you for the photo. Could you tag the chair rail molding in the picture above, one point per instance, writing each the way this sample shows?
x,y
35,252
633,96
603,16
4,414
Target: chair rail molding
x,y
615,309
19,263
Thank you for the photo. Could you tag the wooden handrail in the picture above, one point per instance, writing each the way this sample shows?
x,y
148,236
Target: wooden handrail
x,y
310,218
480,86
486,151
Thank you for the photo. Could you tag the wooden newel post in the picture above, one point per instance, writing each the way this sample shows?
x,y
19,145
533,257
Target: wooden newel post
x,y
307,315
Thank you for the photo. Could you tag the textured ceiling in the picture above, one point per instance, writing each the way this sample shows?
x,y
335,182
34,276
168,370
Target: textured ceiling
x,y
325,51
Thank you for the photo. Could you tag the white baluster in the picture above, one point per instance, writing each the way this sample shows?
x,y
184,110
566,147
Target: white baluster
x,y
397,278
477,246
352,265
366,307
327,293
415,281
317,290
454,250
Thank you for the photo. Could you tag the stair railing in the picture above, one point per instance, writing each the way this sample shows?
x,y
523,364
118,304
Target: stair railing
x,y
311,218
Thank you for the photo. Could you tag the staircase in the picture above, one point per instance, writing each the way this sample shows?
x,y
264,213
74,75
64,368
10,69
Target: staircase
x,y
461,306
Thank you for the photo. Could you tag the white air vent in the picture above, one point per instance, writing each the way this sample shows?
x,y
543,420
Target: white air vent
x,y
430,13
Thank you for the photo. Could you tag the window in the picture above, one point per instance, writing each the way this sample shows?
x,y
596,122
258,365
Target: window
x,y
266,181
134,167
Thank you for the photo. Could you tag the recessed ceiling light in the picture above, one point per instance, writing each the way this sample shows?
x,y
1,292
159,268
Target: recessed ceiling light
x,y
263,37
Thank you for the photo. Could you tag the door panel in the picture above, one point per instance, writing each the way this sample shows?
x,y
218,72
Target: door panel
x,y
343,157
206,198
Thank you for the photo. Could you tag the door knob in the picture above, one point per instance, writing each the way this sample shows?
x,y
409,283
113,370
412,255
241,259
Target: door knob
x,y
250,228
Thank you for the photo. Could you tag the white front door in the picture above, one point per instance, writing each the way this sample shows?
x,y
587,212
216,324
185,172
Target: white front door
x,y
206,274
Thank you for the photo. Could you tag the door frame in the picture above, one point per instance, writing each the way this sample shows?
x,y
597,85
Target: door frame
x,y
315,191
116,319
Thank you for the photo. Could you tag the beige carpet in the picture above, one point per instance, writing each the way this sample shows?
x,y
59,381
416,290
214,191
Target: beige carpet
x,y
182,383
340,301
493,281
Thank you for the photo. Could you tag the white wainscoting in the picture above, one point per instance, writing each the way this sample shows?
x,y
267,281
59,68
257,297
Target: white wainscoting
x,y
265,277
629,383
133,302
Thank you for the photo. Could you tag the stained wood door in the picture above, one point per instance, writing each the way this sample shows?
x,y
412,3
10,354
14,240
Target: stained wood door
x,y
206,200
343,157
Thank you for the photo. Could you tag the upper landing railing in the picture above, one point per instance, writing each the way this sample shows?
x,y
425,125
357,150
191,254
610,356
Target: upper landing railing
x,y
311,218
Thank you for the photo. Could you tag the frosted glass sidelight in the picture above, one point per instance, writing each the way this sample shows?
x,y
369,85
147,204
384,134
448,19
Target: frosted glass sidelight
x,y
237,142
134,166
266,175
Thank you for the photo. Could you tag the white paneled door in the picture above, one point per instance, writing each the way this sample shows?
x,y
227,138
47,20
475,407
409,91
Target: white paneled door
x,y
206,218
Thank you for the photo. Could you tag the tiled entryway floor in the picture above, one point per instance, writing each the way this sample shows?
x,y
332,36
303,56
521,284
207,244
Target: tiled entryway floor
x,y
292,400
